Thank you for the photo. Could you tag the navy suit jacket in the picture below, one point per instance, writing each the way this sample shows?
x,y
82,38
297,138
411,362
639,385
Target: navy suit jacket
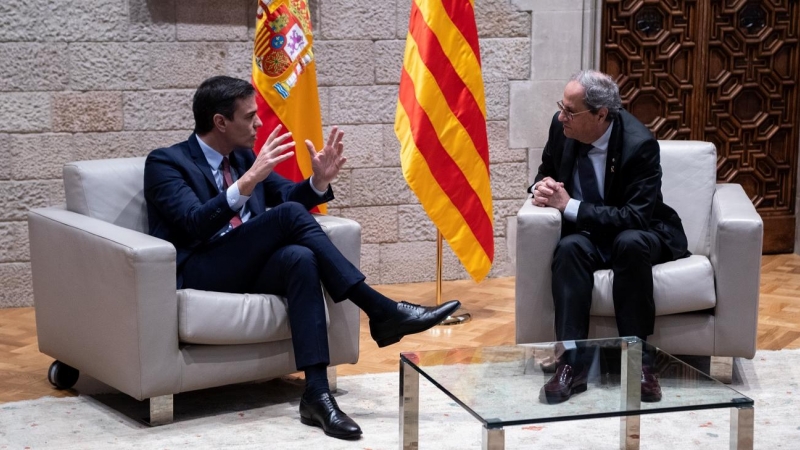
x,y
632,191
185,206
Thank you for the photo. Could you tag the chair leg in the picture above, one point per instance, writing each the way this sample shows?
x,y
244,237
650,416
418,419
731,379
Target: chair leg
x,y
332,378
161,411
722,368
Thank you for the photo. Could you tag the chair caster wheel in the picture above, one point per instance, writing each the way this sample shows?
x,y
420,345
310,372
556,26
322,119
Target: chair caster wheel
x,y
62,376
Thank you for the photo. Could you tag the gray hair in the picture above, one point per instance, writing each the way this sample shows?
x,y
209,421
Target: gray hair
x,y
600,92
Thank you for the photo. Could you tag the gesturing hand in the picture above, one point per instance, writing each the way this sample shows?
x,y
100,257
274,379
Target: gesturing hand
x,y
327,162
271,155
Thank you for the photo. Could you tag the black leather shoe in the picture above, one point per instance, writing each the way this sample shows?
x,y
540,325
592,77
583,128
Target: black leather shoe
x,y
409,319
651,388
563,385
323,412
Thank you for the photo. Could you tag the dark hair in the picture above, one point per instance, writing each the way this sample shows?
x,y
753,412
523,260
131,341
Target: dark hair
x,y
600,92
217,95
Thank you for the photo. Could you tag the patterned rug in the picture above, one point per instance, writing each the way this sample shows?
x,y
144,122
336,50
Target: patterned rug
x,y
265,416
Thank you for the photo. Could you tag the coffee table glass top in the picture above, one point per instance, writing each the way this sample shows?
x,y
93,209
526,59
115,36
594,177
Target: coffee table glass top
x,y
500,385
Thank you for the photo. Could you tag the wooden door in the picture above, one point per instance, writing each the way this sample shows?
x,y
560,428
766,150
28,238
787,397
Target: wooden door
x,y
724,71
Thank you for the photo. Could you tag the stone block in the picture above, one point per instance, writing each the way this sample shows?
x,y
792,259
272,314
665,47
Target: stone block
x,y
152,20
213,20
14,242
509,180
547,5
176,65
362,145
503,209
87,111
239,60
414,224
33,67
109,66
534,161
159,110
86,21
497,133
17,289
384,186
391,146
21,20
341,189
389,60
371,263
499,18
403,15
345,63
356,19
24,112
5,155
505,59
38,156
503,266
496,94
557,45
17,197
378,223
533,104
408,262
362,104
126,144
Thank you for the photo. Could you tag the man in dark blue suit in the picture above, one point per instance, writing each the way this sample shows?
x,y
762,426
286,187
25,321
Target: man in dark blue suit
x,y
209,197
601,169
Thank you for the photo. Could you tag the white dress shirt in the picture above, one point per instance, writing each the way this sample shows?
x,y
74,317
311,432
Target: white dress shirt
x,y
597,155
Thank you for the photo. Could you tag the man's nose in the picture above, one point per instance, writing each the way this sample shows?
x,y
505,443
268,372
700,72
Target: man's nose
x,y
562,116
257,123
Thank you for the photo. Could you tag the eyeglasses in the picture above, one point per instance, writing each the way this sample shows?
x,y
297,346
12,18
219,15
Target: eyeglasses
x,y
569,115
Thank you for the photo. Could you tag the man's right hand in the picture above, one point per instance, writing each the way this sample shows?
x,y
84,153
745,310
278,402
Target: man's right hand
x,y
271,155
544,191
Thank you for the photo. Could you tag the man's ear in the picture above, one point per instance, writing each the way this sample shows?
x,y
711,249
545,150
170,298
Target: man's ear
x,y
602,113
219,122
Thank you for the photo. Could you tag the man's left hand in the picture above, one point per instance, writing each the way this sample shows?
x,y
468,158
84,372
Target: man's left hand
x,y
327,162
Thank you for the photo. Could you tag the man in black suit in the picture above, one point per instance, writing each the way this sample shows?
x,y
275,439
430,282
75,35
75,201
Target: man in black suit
x,y
601,169
209,197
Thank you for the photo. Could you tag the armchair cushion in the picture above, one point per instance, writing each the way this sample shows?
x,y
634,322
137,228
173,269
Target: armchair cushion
x,y
684,285
219,318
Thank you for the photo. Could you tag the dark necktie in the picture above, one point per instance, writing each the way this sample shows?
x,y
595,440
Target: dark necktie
x,y
227,180
587,176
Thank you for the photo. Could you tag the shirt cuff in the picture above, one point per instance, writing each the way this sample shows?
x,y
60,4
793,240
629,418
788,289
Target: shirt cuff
x,y
235,200
311,182
571,211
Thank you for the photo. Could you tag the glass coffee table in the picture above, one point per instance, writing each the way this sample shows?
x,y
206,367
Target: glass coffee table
x,y
500,387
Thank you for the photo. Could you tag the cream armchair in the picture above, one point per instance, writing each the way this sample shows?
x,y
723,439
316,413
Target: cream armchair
x,y
106,303
706,304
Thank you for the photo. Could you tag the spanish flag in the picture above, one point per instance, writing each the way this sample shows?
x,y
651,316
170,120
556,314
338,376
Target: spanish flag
x,y
285,78
441,125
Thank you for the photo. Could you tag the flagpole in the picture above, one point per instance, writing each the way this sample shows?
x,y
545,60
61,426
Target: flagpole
x,y
460,315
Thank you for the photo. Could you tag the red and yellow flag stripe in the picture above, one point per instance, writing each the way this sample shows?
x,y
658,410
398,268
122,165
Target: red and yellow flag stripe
x,y
441,125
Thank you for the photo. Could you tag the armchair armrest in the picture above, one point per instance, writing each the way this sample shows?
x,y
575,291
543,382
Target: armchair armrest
x,y
538,232
105,300
736,239
345,317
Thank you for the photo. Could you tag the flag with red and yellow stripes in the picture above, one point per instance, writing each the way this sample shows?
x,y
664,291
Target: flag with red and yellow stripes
x,y
285,78
441,125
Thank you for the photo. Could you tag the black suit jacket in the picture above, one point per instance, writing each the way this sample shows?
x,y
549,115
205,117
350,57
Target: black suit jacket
x,y
632,190
185,206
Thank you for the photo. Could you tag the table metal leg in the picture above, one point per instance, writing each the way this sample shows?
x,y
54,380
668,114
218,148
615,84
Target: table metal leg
x,y
742,428
631,392
494,439
409,407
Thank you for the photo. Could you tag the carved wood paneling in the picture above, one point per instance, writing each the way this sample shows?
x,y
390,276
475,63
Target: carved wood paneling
x,y
724,71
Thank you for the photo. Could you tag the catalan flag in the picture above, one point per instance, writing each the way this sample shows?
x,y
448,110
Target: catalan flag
x,y
285,78
441,125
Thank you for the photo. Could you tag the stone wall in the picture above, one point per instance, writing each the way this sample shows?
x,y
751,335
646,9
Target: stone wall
x,y
90,79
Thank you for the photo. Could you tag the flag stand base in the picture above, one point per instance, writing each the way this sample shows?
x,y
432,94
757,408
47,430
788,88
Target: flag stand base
x,y
460,315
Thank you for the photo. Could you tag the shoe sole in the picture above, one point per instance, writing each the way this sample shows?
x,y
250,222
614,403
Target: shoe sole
x,y
313,423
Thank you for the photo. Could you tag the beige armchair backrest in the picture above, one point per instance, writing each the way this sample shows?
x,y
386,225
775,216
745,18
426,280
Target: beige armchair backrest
x,y
87,186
